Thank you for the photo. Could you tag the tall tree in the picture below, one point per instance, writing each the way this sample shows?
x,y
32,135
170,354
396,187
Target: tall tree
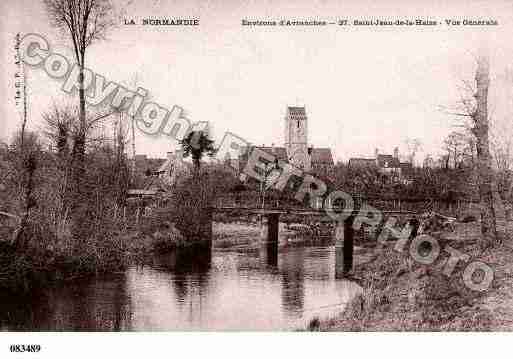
x,y
473,109
86,21
26,147
480,129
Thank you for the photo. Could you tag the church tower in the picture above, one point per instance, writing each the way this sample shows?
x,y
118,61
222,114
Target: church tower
x,y
296,138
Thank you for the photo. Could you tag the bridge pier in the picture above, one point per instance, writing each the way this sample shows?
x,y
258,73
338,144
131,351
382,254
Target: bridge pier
x,y
273,226
344,247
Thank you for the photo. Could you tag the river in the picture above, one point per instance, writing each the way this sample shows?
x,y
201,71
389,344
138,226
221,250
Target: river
x,y
229,290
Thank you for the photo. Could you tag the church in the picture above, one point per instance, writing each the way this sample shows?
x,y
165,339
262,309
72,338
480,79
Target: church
x,y
296,149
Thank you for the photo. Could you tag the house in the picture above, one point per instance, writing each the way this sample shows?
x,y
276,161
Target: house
x,y
173,168
296,150
155,176
322,161
362,162
388,165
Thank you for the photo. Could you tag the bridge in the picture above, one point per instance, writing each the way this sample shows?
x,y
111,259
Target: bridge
x,y
344,231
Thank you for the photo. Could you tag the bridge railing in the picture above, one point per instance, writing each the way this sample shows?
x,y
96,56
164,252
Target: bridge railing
x,y
385,203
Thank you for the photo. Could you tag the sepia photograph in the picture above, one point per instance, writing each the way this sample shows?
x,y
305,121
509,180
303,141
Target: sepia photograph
x,y
252,166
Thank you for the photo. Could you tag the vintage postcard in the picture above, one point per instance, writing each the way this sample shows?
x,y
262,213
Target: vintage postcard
x,y
255,166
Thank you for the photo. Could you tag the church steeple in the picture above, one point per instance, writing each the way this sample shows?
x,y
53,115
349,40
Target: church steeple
x,y
296,137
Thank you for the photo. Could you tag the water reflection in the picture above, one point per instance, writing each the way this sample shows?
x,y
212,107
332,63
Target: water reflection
x,y
190,270
80,306
292,282
271,253
265,289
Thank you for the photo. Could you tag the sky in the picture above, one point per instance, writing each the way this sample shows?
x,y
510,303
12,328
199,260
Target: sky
x,y
363,87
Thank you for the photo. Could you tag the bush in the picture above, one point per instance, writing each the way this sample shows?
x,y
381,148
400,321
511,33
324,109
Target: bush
x,y
191,206
70,231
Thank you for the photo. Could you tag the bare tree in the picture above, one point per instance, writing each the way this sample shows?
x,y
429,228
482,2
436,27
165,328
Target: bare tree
x,y
484,159
413,145
86,21
455,145
27,147
473,110
502,147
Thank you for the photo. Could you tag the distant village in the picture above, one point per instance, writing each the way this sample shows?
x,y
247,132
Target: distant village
x,y
296,149
158,174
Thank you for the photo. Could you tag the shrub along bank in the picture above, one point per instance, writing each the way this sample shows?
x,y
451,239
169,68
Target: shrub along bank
x,y
402,295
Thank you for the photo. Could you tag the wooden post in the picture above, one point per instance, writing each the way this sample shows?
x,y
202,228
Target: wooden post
x,y
339,250
348,243
273,225
344,247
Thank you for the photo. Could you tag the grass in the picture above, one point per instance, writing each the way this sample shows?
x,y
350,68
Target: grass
x,y
48,256
401,295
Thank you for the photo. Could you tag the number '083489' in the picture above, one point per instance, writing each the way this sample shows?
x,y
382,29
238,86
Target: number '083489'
x,y
21,348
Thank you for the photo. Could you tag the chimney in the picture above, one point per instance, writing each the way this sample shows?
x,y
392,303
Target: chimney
x,y
170,155
396,152
376,152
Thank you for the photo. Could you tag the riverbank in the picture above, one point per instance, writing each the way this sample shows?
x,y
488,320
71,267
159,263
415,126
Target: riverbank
x,y
400,295
48,258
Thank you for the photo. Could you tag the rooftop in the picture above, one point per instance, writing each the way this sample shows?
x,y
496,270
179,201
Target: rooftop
x,y
322,156
388,161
